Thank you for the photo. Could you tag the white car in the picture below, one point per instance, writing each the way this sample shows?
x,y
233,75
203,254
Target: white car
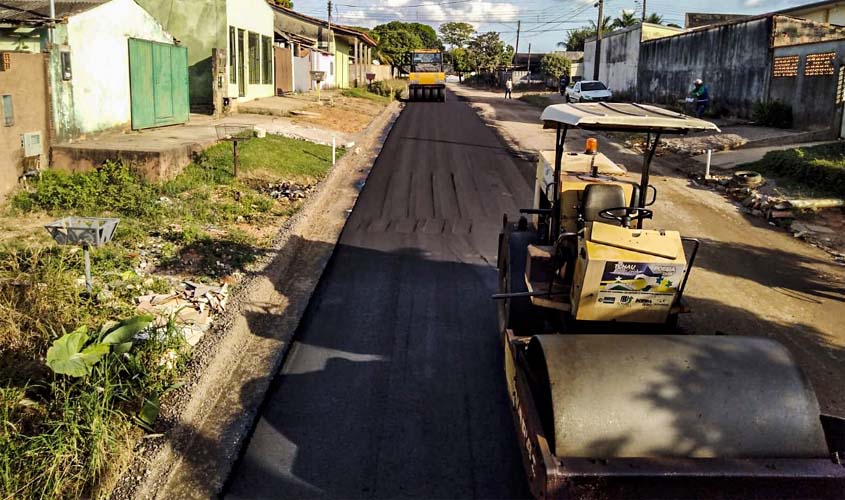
x,y
588,91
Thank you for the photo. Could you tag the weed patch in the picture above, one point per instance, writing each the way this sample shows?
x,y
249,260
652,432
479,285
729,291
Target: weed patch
x,y
377,92
63,436
817,169
537,100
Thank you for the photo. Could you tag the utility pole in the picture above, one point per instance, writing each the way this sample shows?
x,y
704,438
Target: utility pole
x,y
330,15
644,10
529,63
597,57
516,50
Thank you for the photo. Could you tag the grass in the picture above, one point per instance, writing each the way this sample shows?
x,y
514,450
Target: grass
x,y
363,93
537,100
66,438
813,171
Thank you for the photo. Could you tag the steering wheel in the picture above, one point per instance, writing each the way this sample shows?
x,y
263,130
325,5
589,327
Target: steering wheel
x,y
630,214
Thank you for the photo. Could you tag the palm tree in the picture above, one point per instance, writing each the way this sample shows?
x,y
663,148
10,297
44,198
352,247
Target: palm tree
x,y
606,25
654,18
626,19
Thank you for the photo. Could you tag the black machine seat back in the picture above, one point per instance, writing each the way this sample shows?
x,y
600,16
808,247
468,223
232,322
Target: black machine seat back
x,y
598,197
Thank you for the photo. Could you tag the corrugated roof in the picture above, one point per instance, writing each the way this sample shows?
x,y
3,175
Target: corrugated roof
x,y
623,116
27,11
345,30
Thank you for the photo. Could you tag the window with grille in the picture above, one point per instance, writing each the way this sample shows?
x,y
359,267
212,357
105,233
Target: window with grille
x,y
233,56
267,51
820,64
8,111
254,59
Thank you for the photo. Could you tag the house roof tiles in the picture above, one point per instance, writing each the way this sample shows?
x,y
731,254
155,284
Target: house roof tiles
x,y
38,11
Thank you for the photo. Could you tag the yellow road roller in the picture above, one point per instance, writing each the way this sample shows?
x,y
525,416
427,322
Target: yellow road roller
x,y
426,77
609,398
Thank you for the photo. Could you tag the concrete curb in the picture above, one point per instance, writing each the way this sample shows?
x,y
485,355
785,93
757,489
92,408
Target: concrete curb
x,y
198,453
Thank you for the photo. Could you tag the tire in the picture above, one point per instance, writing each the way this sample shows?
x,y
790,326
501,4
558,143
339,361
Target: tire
x,y
442,94
426,94
518,314
567,98
747,178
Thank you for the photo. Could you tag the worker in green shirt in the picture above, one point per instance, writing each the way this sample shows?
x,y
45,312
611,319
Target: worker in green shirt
x,y
701,94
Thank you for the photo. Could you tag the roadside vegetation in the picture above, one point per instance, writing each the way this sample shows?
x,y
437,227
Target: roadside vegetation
x,y
382,91
813,171
78,389
537,100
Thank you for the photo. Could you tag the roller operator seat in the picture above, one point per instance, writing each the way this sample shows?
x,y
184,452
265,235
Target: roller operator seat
x,y
598,197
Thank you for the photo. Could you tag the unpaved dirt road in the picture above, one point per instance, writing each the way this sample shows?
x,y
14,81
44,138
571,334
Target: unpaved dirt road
x,y
394,386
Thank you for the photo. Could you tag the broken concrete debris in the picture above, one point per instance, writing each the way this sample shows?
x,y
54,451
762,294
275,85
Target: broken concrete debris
x,y
788,213
288,190
192,308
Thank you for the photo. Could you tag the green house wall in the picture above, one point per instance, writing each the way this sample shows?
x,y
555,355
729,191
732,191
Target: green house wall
x,y
200,25
342,53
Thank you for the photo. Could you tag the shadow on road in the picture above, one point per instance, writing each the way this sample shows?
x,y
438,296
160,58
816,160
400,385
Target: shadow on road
x,y
796,276
394,387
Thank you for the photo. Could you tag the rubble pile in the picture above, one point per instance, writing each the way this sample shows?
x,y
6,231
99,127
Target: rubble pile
x,y
692,145
192,307
287,190
777,209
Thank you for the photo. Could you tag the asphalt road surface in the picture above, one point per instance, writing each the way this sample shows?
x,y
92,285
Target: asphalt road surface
x,y
395,385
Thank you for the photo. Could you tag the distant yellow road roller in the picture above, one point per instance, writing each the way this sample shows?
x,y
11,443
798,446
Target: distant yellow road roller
x,y
426,78
609,398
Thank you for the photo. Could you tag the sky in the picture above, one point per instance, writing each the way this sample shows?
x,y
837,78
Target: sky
x,y
544,22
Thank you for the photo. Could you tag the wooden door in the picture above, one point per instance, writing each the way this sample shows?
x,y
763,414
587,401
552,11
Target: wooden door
x,y
284,70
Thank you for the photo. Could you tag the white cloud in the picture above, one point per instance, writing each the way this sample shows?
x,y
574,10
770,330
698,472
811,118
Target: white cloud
x,y
476,12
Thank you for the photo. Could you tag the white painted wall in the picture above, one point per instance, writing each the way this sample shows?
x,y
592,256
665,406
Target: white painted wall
x,y
323,62
98,40
620,56
302,73
255,16
834,14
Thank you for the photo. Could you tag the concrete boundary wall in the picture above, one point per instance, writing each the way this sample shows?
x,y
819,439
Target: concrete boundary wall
x,y
733,59
806,77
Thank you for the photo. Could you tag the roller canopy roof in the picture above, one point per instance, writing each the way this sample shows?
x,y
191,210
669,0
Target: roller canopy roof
x,y
622,117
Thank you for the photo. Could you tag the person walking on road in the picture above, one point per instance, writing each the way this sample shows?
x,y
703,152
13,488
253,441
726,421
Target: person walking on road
x,y
564,82
509,88
701,94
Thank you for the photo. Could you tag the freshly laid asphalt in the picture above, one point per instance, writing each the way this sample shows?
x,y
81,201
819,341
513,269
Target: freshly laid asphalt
x,y
394,386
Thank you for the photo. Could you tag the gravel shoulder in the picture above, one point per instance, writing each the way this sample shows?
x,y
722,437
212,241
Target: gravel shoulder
x,y
750,278
209,416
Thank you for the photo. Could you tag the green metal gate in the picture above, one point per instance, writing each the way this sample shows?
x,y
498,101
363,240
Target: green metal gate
x,y
158,77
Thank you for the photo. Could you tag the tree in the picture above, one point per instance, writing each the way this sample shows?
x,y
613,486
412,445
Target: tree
x,y
427,35
288,4
673,25
461,62
655,18
456,35
394,42
606,26
626,19
576,38
395,39
486,51
555,65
